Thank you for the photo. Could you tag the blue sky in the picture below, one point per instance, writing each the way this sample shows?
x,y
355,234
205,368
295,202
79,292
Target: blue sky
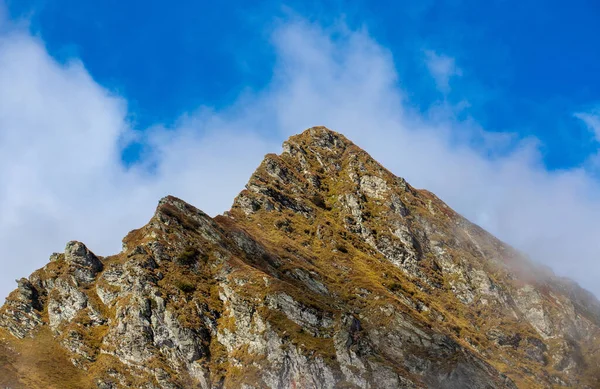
x,y
525,67
107,106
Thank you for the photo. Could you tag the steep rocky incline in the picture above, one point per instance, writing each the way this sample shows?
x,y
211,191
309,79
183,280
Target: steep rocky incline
x,y
328,272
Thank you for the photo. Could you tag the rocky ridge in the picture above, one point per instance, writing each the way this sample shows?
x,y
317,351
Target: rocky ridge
x,y
327,272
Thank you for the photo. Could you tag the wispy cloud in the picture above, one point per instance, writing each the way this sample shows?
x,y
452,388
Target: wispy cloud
x,y
61,135
61,138
591,119
442,68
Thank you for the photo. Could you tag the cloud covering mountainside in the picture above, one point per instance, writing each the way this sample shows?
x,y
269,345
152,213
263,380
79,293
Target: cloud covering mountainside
x,y
62,137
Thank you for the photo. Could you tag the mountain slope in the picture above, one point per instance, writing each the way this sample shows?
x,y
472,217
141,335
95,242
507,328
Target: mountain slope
x,y
328,271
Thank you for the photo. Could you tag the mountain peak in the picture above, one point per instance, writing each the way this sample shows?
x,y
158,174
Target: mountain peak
x,y
319,137
316,168
328,271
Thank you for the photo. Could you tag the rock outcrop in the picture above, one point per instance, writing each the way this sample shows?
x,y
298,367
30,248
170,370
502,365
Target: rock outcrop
x,y
327,272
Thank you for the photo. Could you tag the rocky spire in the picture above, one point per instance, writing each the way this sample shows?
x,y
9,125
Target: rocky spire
x,y
84,264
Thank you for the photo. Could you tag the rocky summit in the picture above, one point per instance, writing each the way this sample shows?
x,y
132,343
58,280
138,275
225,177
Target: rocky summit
x,y
328,272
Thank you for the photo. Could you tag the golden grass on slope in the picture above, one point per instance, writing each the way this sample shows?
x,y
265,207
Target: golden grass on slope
x,y
40,363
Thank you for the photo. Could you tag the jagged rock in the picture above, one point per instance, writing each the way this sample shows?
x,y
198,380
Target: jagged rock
x,y
20,315
64,303
502,339
85,264
327,272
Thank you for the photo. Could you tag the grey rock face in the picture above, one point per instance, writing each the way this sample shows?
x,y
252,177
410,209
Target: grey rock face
x,y
85,264
65,302
21,314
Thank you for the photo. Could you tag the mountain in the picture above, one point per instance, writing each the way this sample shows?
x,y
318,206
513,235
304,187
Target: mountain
x,y
327,272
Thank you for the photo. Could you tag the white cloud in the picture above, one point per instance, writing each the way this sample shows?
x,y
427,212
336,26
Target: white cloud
x,y
60,137
60,145
591,120
442,68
